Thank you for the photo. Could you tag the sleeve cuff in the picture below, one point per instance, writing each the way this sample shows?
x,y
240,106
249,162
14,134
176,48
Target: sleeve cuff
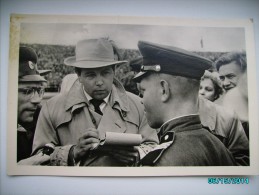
x,y
60,156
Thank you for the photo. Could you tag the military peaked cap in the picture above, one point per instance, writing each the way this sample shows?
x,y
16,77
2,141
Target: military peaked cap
x,y
28,69
171,60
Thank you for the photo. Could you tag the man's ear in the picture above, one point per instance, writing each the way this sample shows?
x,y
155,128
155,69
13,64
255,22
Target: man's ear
x,y
165,90
79,78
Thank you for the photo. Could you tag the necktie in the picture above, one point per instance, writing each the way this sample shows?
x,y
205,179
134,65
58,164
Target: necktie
x,y
96,103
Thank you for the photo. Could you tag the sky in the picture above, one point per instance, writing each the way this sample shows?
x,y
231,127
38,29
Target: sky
x,y
192,38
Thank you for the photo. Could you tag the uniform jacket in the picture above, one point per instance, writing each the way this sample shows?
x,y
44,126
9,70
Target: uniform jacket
x,y
226,126
65,117
190,145
24,143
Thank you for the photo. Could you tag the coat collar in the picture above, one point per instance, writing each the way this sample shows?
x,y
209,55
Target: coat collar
x,y
119,96
76,97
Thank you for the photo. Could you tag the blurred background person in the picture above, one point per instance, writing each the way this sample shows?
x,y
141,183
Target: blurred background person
x,y
237,100
127,80
30,93
230,67
210,86
67,82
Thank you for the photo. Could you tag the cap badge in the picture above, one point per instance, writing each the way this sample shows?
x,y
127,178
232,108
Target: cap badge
x,y
155,68
31,65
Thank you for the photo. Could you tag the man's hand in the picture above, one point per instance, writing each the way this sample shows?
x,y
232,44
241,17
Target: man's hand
x,y
126,155
85,143
37,159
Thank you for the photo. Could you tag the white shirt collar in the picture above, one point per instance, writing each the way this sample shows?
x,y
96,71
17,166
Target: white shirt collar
x,y
88,97
103,105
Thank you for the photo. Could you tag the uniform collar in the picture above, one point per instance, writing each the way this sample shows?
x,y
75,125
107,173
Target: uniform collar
x,y
179,124
119,96
75,96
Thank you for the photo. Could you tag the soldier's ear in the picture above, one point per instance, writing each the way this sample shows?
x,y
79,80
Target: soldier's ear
x,y
165,90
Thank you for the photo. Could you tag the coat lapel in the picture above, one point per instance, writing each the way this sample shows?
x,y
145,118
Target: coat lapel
x,y
111,122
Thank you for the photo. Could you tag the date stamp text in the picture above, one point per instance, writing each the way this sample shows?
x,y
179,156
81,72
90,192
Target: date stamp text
x,y
228,180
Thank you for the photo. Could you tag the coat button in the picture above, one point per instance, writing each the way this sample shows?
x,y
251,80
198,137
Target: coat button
x,y
124,114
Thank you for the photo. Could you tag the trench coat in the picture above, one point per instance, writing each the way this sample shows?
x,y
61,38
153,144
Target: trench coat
x,y
65,117
189,145
227,127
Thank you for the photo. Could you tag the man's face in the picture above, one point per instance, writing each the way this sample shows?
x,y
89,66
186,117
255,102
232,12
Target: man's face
x,y
229,75
148,88
97,82
28,101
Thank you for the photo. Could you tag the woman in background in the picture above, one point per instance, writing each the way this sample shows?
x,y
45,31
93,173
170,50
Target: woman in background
x,y
210,86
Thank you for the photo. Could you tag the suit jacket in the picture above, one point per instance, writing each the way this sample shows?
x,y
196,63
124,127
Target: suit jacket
x,y
189,145
64,118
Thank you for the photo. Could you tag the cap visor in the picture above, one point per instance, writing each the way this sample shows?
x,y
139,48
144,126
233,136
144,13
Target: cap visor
x,y
44,72
32,78
139,76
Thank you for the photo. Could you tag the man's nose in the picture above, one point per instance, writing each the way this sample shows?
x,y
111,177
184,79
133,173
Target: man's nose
x,y
201,91
36,98
99,80
226,82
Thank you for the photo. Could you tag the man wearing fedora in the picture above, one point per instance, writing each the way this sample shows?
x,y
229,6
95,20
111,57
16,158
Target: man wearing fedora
x,y
96,103
169,83
30,93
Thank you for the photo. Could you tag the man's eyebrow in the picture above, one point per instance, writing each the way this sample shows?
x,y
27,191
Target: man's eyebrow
x,y
89,72
230,74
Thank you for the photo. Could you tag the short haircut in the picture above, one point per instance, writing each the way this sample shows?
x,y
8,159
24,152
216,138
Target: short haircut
x,y
238,57
183,86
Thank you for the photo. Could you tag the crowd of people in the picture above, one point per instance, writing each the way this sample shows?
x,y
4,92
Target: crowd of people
x,y
185,107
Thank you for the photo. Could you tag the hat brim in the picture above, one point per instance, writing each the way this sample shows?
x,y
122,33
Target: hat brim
x,y
32,78
71,61
138,77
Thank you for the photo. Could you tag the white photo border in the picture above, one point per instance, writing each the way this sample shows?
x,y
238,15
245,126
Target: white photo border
x,y
14,169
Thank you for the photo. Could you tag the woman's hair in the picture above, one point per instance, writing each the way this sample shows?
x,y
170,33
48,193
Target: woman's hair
x,y
214,77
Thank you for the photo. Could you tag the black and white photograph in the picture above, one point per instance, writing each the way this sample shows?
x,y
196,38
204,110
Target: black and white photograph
x,y
131,96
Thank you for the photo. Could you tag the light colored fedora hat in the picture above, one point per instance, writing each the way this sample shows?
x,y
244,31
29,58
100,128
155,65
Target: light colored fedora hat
x,y
93,53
